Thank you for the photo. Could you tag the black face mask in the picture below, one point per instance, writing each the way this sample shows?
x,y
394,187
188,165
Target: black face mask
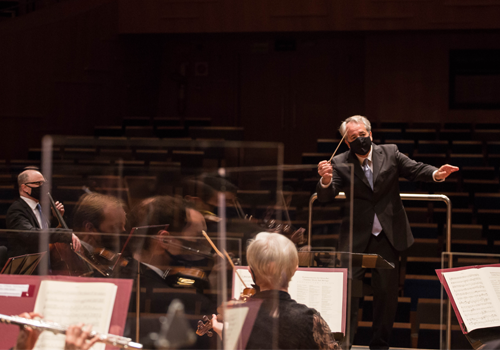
x,y
361,145
35,192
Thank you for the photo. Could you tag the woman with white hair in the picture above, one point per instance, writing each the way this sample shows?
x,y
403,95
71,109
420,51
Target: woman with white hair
x,y
281,322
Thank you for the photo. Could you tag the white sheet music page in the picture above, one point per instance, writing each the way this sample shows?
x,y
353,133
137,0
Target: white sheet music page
x,y
321,290
68,303
476,294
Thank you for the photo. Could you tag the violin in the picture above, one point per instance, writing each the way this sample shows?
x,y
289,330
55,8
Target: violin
x,y
205,324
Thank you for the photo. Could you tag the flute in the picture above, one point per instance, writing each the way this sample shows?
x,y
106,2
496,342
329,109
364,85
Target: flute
x,y
55,328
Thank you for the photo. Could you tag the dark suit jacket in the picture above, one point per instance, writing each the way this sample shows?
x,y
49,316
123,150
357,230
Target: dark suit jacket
x,y
21,217
388,165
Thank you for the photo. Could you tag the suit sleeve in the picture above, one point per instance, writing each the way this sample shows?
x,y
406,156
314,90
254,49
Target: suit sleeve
x,y
16,220
412,170
328,194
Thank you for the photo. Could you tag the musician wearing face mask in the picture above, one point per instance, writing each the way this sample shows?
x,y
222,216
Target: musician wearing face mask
x,y
26,214
380,224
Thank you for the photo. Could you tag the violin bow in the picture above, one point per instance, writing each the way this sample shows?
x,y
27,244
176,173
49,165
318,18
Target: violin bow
x,y
222,256
336,149
234,269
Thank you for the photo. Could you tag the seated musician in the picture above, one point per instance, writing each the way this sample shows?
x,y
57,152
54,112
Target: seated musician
x,y
273,260
99,213
163,251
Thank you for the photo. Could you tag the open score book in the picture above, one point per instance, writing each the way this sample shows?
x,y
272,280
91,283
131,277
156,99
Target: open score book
x,y
474,293
323,289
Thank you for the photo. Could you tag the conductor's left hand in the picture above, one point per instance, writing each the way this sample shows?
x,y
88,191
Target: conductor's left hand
x,y
445,171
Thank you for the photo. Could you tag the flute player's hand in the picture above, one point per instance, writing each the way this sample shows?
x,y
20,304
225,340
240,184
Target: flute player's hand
x,y
325,170
27,336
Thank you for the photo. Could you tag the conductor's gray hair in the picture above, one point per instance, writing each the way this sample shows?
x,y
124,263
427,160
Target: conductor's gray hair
x,y
273,258
358,119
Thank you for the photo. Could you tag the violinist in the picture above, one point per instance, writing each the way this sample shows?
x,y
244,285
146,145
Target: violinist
x,y
162,251
26,214
100,214
281,322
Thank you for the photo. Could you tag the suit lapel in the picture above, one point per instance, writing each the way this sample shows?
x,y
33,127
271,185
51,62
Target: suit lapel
x,y
378,161
31,213
357,169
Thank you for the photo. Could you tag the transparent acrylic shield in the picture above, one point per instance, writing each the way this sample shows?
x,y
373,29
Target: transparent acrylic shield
x,y
279,200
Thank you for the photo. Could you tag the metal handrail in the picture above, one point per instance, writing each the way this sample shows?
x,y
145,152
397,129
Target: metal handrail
x,y
404,196
417,197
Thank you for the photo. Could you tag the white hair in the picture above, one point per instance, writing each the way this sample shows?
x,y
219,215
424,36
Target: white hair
x,y
273,258
358,119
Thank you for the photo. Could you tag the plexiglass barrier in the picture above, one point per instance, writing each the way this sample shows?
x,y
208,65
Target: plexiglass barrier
x,y
163,226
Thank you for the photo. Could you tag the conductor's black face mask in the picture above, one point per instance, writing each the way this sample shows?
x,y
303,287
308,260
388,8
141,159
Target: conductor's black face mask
x,y
361,145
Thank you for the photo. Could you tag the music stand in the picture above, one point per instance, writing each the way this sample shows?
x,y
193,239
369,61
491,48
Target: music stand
x,y
23,264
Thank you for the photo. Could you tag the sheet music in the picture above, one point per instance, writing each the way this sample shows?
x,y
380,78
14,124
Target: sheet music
x,y
70,303
475,297
233,324
321,290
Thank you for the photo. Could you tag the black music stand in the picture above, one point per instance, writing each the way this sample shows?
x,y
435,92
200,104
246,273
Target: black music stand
x,y
23,264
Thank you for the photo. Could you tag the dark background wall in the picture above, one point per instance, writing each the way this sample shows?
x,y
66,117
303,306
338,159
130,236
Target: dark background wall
x,y
285,73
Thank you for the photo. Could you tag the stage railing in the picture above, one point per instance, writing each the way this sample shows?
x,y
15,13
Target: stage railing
x,y
415,197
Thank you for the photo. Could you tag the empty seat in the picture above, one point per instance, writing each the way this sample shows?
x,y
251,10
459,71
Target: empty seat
x,y
79,153
188,122
114,154
171,132
422,286
478,172
139,131
486,135
329,146
425,247
420,134
149,155
459,199
166,121
108,131
457,126
136,121
393,125
487,126
455,134
487,200
388,134
402,313
467,147
216,132
467,231
467,159
432,147
426,230
404,146
486,186
493,147
431,158
315,158
488,216
188,159
400,336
